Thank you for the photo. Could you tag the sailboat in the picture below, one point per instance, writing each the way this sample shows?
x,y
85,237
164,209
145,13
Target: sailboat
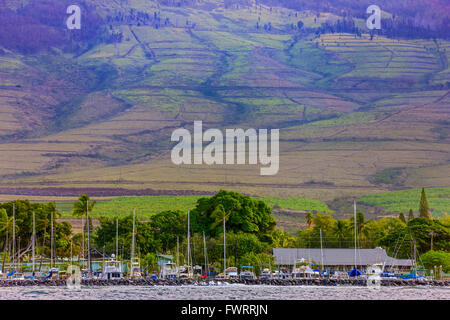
x,y
230,272
205,275
14,274
33,246
53,269
135,265
186,271
112,269
413,274
355,272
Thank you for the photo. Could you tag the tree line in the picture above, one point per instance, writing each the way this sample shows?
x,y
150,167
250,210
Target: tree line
x,y
251,233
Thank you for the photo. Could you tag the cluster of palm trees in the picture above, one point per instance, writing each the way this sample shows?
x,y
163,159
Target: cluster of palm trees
x,y
340,230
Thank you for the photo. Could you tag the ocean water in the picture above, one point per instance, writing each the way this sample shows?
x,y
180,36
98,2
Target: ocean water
x,y
225,292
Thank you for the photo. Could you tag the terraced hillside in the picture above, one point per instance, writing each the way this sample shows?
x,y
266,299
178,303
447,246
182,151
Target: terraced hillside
x,y
356,115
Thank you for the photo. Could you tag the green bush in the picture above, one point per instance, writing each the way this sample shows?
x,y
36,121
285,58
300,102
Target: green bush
x,y
436,258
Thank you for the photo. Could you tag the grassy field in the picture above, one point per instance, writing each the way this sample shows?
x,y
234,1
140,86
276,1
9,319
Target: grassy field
x,y
148,205
403,200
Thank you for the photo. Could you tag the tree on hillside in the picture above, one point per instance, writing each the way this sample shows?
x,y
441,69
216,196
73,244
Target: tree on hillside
x,y
424,209
411,215
402,217
310,219
299,24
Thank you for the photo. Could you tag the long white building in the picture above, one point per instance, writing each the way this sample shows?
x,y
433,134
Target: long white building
x,y
339,259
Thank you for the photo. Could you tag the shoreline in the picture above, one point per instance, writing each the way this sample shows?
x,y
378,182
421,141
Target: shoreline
x,y
185,282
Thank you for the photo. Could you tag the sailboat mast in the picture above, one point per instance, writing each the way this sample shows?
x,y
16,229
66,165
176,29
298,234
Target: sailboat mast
x,y
354,218
34,240
178,257
204,250
414,261
224,248
14,236
89,237
82,238
51,240
132,243
189,241
117,238
321,251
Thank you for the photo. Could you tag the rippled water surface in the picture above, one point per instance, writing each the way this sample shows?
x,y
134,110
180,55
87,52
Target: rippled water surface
x,y
229,292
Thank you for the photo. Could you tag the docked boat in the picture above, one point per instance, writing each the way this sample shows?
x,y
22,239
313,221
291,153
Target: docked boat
x,y
135,269
185,272
276,274
230,273
373,275
339,275
247,273
53,274
305,272
18,276
197,272
112,270
169,270
266,274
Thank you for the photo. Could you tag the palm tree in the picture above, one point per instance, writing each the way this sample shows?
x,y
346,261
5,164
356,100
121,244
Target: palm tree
x,y
340,231
6,224
79,207
310,219
219,215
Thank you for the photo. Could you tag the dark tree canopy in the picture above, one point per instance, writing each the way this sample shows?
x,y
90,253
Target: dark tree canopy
x,y
241,213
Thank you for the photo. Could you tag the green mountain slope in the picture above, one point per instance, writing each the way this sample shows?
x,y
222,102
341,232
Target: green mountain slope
x,y
356,115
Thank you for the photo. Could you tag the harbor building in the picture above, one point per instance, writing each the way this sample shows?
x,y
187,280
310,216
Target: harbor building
x,y
339,259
